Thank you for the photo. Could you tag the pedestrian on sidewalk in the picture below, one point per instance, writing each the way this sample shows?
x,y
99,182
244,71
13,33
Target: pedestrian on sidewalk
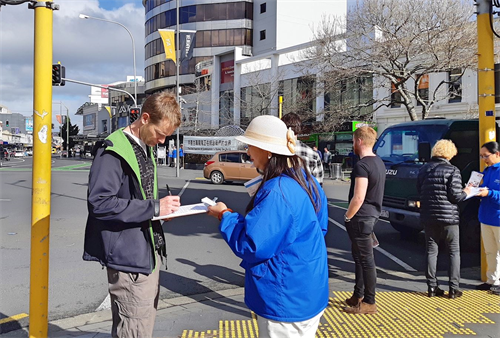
x,y
318,152
489,215
439,185
181,156
174,157
122,199
281,238
365,205
306,153
171,156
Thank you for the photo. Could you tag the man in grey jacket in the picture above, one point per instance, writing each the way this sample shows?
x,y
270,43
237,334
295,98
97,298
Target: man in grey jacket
x,y
122,200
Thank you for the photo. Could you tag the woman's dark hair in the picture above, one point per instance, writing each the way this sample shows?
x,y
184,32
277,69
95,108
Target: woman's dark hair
x,y
491,146
291,166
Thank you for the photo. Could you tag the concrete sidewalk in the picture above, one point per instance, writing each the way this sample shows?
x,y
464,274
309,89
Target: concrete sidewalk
x,y
404,311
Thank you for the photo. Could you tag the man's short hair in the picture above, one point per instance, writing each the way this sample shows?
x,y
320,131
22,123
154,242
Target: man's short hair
x,y
367,135
445,149
163,105
293,121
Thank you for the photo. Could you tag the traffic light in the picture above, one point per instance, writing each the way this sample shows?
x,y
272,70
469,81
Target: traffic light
x,y
7,123
58,73
134,114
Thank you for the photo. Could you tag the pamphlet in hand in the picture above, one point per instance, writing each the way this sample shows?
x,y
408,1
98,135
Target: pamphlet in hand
x,y
473,183
191,209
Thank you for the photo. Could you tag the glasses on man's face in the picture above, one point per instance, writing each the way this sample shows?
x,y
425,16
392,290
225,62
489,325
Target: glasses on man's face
x,y
484,157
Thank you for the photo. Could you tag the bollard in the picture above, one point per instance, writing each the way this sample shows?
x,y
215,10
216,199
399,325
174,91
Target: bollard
x,y
336,171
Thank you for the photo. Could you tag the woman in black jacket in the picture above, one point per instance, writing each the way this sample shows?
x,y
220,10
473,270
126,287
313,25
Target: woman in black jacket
x,y
440,187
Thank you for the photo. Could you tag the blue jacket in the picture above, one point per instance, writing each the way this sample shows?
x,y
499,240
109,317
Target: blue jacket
x,y
281,241
489,210
119,232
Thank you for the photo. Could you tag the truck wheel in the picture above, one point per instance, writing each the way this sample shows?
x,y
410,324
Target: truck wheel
x,y
405,232
216,177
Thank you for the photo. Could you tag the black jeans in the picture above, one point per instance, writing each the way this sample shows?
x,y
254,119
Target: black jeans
x,y
433,234
360,230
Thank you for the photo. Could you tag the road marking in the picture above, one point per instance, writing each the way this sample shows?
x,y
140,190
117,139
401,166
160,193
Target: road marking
x,y
382,251
5,199
338,206
184,187
13,318
106,304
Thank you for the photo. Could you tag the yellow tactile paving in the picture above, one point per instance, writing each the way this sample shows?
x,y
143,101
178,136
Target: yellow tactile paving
x,y
401,314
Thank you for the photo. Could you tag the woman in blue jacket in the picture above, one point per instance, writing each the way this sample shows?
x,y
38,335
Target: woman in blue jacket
x,y
281,238
489,215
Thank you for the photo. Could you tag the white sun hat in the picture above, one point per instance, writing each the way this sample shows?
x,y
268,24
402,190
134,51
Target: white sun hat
x,y
269,133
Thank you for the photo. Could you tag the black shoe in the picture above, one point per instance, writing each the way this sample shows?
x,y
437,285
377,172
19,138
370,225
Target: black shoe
x,y
454,293
434,291
495,289
484,287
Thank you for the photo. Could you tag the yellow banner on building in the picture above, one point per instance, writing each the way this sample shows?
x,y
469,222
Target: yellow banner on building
x,y
108,108
168,38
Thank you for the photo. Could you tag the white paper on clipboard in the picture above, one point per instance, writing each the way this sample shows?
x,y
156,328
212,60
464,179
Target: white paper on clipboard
x,y
190,209
185,210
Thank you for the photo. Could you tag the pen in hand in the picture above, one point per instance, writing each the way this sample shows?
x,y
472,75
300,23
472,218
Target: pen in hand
x,y
169,191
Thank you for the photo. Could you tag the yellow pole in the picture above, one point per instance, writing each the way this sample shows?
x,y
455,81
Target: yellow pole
x,y
42,144
280,106
486,86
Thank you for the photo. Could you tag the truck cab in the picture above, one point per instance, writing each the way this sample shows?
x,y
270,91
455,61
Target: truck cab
x,y
405,148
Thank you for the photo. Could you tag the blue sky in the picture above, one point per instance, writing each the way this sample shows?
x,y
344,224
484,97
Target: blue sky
x,y
113,4
92,51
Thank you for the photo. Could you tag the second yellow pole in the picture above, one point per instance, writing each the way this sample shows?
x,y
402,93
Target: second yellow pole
x,y
486,86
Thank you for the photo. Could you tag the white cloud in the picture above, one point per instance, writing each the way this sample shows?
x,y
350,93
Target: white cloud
x,y
92,51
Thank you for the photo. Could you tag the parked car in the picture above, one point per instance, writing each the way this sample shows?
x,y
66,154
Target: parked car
x,y
19,153
229,166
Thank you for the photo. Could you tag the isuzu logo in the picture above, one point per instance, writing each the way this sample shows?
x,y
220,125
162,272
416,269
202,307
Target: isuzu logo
x,y
391,172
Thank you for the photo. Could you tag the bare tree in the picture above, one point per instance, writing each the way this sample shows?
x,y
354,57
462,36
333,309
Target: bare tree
x,y
398,44
263,86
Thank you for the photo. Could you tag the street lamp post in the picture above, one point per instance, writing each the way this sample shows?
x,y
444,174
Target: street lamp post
x,y
84,16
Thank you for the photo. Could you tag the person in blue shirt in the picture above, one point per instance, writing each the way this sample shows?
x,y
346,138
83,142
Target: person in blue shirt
x,y
174,156
489,215
181,156
171,157
281,238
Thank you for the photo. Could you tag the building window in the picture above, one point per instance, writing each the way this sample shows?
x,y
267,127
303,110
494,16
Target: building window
x,y
395,97
263,8
263,34
455,85
200,13
423,88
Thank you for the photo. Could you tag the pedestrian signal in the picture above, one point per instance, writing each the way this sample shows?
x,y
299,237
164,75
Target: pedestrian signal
x,y
58,74
134,114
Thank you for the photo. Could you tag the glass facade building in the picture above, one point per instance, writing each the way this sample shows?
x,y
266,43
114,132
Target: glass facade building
x,y
220,26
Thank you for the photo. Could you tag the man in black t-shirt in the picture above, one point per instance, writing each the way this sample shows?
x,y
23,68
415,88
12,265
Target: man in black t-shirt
x,y
365,204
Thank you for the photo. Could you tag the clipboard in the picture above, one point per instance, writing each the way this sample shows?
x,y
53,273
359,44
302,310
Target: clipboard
x,y
190,209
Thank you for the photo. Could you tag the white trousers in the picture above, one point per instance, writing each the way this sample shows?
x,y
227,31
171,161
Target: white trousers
x,y
272,329
491,242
